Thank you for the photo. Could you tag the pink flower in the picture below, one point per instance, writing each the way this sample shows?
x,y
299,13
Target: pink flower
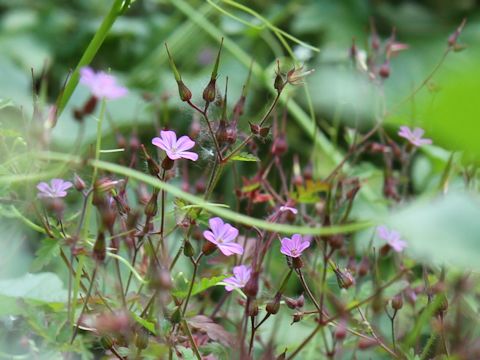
x,y
295,246
56,189
289,208
392,237
101,84
223,235
241,275
175,149
415,136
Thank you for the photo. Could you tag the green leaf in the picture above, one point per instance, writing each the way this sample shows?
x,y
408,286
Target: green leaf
x,y
200,286
44,287
49,249
150,326
443,229
243,156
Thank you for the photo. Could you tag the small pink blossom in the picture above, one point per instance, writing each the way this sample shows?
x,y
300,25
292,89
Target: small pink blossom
x,y
295,246
415,136
392,237
241,275
56,189
289,208
101,84
175,149
223,235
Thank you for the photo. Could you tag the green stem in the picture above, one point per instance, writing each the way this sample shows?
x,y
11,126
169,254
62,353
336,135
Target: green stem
x,y
89,53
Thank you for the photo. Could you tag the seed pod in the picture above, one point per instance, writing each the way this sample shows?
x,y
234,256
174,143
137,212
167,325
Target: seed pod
x,y
152,205
141,339
209,92
291,303
183,91
78,183
274,306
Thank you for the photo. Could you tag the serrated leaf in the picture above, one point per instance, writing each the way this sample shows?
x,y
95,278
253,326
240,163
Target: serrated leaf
x,y
49,249
243,156
200,286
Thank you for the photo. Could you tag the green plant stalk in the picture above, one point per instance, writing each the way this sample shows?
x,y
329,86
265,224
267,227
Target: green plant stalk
x,y
212,208
89,54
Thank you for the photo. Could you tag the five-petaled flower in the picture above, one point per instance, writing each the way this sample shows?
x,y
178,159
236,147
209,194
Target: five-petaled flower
x,y
101,84
175,149
56,189
223,235
295,246
392,237
241,275
415,136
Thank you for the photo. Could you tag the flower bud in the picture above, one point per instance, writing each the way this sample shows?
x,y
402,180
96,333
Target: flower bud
x,y
364,267
274,305
300,301
344,278
99,248
291,303
176,316
152,205
251,287
209,92
221,134
384,70
153,167
184,91
78,183
366,343
141,339
252,309
278,83
397,302
188,250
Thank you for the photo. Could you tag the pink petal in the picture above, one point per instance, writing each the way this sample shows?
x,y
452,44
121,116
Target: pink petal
x,y
169,137
230,233
188,155
425,142
87,76
158,142
173,155
43,187
216,225
297,241
230,248
210,237
185,143
418,132
383,232
303,246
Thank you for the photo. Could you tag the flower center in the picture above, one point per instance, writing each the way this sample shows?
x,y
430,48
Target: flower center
x,y
294,252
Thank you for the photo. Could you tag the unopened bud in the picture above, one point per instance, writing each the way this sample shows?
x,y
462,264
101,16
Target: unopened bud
x,y
141,339
99,248
344,278
300,301
188,250
152,205
274,305
209,92
366,343
251,287
221,134
78,183
153,167
397,302
252,309
183,91
176,316
384,70
291,303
